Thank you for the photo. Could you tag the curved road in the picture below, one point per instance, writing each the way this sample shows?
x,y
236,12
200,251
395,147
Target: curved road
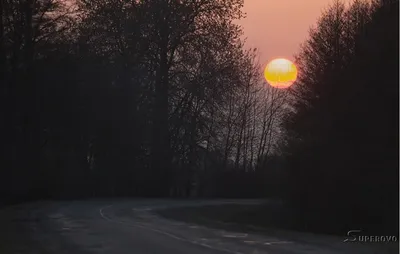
x,y
130,226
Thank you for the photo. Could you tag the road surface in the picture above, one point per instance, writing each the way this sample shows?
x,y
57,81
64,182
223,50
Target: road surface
x,y
131,227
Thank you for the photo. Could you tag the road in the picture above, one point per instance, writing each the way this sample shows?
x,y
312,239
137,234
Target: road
x,y
130,226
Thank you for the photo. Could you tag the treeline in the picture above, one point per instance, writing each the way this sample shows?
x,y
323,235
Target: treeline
x,y
131,98
341,136
160,98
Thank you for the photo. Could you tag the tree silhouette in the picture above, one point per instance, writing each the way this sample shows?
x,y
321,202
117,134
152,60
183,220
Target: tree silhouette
x,y
342,163
161,98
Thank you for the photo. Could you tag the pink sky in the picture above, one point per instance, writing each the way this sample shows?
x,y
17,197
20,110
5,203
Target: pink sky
x,y
277,27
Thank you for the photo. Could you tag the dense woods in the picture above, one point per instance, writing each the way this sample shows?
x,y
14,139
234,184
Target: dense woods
x,y
142,98
341,138
162,99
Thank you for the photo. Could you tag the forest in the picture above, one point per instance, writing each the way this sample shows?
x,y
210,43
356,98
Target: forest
x,y
161,98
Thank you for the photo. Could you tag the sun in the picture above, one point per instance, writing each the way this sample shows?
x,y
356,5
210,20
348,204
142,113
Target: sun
x,y
280,73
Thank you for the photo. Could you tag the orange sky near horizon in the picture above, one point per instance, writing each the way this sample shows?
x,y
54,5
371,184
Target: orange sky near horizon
x,y
278,27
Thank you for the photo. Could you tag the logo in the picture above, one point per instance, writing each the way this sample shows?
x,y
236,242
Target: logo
x,y
355,236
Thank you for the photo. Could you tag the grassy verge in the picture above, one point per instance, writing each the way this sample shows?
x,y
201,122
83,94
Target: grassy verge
x,y
245,218
266,218
16,230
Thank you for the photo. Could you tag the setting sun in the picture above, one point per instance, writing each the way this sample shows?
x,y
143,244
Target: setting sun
x,y
280,73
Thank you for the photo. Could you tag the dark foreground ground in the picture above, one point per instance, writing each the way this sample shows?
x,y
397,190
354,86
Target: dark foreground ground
x,y
134,226
263,219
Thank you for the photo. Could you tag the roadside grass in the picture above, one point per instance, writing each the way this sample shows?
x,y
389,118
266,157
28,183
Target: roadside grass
x,y
16,230
261,218
245,218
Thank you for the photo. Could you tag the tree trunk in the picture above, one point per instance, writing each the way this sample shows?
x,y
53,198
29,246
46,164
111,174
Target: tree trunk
x,y
161,154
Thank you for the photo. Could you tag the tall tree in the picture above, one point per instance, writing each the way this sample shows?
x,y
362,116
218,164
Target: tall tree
x,y
334,130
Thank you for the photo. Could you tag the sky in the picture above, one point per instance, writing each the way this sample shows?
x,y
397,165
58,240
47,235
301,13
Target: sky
x,y
278,27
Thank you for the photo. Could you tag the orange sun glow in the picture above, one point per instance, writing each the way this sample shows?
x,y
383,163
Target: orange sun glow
x,y
280,73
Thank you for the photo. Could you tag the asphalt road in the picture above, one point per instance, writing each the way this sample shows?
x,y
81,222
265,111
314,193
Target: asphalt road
x,y
131,227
